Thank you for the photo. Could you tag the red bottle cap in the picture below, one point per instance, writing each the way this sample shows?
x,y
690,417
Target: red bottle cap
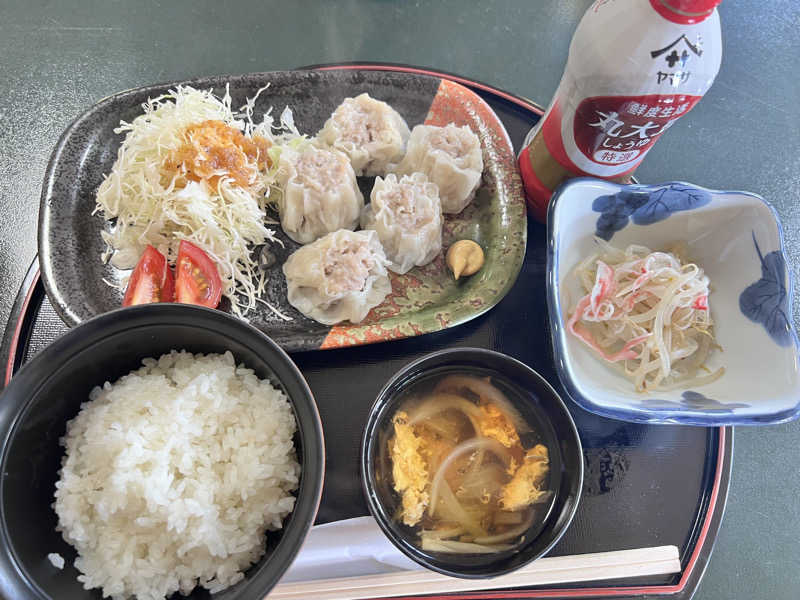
x,y
685,12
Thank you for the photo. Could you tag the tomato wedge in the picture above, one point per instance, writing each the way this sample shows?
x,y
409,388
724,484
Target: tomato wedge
x,y
197,278
151,281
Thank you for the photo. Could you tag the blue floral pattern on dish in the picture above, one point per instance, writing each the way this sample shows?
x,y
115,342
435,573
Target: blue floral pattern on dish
x,y
644,206
766,301
692,401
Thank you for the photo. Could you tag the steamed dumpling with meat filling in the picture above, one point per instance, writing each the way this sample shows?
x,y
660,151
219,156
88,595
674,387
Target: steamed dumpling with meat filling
x,y
319,192
339,277
407,216
451,158
370,132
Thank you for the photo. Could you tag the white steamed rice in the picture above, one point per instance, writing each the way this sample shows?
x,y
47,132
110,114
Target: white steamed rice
x,y
173,474
56,560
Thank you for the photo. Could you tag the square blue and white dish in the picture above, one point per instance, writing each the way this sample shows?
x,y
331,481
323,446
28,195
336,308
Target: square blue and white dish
x,y
736,238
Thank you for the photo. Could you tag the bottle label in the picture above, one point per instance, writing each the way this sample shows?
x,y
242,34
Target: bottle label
x,y
607,136
613,130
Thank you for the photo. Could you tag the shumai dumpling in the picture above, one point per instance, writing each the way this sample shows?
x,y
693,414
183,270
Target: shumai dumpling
x,y
339,277
407,216
319,192
451,158
370,132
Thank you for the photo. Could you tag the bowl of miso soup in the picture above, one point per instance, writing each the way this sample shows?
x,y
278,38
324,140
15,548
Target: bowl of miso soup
x,y
471,463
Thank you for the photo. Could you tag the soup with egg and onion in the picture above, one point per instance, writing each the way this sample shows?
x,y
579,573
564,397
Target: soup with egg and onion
x,y
471,473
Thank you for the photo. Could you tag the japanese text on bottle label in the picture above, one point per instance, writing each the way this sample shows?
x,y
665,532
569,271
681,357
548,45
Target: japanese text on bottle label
x,y
613,130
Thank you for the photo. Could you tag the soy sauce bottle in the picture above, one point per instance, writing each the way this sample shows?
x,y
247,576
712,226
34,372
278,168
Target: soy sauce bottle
x,y
634,68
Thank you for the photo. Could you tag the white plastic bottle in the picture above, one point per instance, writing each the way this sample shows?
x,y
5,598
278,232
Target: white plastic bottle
x,y
634,68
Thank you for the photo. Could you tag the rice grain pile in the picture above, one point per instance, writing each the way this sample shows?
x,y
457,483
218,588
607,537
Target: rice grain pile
x,y
173,474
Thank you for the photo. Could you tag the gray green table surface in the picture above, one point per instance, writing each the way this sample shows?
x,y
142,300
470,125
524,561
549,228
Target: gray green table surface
x,y
58,58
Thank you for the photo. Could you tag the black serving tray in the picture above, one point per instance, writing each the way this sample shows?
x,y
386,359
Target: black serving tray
x,y
644,485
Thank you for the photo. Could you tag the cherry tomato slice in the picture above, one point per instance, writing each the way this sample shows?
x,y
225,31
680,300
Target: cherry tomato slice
x,y
151,280
197,279
168,291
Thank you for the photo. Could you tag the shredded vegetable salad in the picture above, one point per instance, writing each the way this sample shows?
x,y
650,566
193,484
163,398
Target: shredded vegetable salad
x,y
190,168
647,313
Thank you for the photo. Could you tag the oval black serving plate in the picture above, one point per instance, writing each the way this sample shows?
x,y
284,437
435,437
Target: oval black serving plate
x,y
424,300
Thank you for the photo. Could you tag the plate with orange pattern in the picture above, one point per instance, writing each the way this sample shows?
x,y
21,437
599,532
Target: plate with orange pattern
x,y
424,300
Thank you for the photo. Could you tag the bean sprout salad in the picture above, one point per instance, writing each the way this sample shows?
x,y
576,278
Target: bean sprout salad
x,y
647,314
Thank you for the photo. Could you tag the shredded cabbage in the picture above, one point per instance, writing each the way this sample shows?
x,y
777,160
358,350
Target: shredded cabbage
x,y
155,205
647,313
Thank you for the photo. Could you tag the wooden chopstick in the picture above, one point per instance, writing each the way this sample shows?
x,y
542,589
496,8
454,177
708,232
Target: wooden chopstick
x,y
549,570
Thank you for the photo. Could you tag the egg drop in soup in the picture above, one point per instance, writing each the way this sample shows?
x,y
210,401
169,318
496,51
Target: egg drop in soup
x,y
466,480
